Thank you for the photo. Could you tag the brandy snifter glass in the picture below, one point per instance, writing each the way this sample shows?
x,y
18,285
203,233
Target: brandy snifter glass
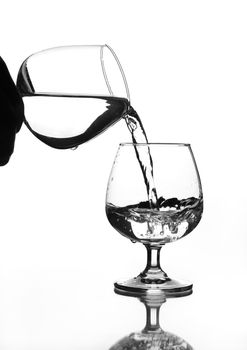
x,y
154,206
72,93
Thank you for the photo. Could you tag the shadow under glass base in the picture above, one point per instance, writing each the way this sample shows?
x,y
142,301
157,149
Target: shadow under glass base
x,y
172,288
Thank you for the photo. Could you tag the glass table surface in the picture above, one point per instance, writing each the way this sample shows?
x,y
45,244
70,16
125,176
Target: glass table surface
x,y
57,269
69,314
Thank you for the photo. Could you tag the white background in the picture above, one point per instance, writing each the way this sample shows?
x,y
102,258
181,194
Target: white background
x,y
185,62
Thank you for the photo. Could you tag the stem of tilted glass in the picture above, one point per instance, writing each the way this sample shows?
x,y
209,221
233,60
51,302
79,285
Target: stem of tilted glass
x,y
153,273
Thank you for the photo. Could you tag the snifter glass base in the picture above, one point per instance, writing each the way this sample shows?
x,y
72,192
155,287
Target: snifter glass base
x,y
153,278
172,288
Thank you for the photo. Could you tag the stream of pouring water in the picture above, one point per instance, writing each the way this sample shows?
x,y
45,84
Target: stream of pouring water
x,y
143,155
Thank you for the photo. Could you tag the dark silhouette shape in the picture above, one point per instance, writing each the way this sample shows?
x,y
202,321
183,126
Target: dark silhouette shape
x,y
11,113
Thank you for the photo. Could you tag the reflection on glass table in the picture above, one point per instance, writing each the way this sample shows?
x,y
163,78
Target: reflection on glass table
x,y
152,337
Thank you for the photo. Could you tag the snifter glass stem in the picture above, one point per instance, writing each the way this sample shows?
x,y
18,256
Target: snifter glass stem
x,y
153,273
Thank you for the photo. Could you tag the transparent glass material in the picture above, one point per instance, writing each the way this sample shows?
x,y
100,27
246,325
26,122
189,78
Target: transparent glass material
x,y
152,336
72,93
176,212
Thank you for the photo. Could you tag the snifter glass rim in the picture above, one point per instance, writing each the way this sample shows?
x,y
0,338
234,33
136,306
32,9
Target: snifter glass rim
x,y
179,144
24,71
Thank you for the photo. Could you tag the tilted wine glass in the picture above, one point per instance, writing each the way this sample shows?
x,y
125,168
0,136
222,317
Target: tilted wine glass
x,y
72,93
154,206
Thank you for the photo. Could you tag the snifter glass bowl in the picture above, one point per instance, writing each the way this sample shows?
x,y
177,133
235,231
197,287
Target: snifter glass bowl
x,y
154,206
72,93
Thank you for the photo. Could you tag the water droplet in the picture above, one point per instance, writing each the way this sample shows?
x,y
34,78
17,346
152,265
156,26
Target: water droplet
x,y
74,148
131,123
133,241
